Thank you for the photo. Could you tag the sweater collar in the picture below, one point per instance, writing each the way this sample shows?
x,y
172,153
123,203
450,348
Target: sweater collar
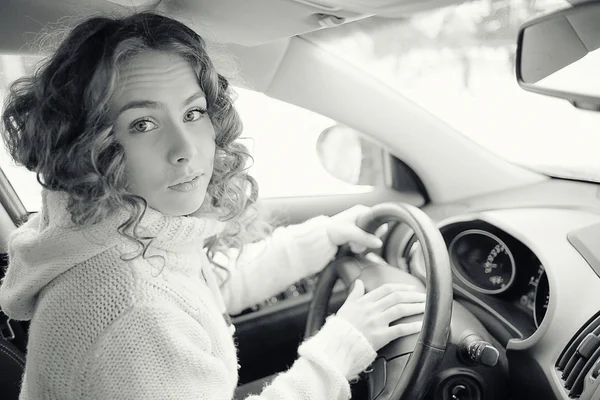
x,y
49,244
170,233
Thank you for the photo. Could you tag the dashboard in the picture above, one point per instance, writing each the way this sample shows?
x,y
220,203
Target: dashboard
x,y
492,269
532,277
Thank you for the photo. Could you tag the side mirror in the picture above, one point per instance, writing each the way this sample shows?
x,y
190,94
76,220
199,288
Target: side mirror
x,y
557,55
348,156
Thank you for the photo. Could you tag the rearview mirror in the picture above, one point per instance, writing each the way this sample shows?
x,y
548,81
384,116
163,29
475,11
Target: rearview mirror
x,y
349,156
557,55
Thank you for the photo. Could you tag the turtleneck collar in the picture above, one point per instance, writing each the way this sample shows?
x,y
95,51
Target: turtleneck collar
x,y
170,233
49,244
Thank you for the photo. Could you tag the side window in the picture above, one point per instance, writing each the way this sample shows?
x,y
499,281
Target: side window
x,y
291,157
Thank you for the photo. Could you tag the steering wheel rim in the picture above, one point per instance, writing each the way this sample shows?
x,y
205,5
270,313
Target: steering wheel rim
x,y
411,373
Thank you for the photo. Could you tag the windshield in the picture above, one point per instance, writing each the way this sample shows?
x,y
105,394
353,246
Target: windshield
x,y
458,63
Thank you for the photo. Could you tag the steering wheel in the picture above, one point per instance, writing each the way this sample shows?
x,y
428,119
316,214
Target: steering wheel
x,y
405,368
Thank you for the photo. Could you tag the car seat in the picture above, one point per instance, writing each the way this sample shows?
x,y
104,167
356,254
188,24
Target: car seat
x,y
12,366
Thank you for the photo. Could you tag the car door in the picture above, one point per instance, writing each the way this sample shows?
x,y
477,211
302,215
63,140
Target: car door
x,y
306,165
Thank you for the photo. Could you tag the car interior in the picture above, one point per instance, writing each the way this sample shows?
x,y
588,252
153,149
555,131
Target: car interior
x,y
508,251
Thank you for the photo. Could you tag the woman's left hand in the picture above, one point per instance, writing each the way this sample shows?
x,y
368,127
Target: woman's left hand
x,y
342,229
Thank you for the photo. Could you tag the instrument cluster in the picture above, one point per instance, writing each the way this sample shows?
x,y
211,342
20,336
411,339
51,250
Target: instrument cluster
x,y
492,267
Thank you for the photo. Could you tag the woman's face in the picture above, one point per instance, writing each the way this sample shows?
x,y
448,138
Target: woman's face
x,y
168,138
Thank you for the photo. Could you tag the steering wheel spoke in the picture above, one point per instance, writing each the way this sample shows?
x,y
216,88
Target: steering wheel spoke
x,y
377,380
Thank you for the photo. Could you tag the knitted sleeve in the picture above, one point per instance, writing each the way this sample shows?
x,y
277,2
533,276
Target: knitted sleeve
x,y
159,352
267,268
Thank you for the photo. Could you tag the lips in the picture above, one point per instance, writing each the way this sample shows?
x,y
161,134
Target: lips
x,y
188,186
186,179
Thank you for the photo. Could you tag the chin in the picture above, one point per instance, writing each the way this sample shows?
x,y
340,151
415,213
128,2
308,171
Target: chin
x,y
179,207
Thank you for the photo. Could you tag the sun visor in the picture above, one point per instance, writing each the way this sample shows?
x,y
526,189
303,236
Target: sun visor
x,y
256,22
385,8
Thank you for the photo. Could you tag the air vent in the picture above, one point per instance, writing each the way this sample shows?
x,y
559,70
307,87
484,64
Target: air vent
x,y
580,356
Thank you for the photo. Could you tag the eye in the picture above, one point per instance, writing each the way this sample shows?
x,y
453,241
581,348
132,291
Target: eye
x,y
194,114
143,125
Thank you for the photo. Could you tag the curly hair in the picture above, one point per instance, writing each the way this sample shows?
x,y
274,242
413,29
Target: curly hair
x,y
57,124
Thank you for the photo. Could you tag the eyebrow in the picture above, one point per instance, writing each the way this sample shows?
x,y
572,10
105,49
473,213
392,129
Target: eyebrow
x,y
195,96
155,104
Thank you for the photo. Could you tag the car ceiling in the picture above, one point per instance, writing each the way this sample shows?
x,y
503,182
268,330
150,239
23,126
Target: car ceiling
x,y
242,22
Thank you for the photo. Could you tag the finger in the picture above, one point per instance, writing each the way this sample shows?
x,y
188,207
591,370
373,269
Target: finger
x,y
357,211
401,330
400,297
382,230
355,248
358,290
399,311
351,214
388,288
353,234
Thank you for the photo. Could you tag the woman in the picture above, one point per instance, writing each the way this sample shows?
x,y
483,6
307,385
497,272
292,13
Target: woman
x,y
132,134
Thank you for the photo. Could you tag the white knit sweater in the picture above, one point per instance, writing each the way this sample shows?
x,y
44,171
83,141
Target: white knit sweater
x,y
105,328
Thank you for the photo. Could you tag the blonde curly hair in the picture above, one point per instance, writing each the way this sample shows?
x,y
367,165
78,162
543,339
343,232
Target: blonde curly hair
x,y
57,124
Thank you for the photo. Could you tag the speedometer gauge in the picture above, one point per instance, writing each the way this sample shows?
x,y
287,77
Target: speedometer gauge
x,y
482,261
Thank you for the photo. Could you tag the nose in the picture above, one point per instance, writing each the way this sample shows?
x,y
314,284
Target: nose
x,y
182,148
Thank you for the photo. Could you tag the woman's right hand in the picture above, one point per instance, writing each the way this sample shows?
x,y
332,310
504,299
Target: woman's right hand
x,y
372,313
